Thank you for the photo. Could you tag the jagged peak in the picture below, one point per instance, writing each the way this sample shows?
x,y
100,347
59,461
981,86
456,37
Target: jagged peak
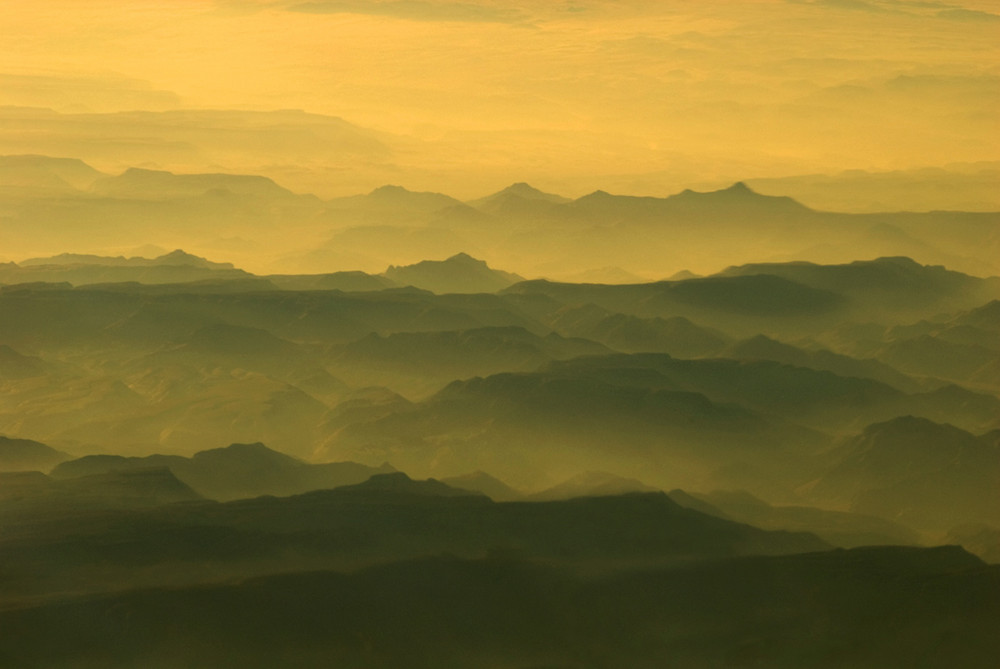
x,y
521,187
179,254
255,450
399,482
389,189
464,257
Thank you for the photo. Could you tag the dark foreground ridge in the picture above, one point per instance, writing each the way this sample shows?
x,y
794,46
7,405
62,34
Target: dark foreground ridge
x,y
876,607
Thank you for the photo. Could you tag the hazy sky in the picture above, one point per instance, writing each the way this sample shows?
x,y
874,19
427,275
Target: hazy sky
x,y
482,92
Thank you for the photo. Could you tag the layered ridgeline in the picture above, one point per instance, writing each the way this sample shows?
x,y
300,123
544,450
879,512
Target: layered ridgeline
x,y
748,379
818,610
398,572
54,204
789,408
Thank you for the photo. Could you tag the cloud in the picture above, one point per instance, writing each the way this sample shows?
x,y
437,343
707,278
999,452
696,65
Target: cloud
x,y
413,10
83,92
860,5
967,15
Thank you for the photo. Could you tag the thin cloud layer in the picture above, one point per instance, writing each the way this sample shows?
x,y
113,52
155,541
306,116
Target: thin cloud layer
x,y
572,96
413,10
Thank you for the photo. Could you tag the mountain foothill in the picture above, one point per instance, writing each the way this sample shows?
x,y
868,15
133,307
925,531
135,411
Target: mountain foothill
x,y
371,447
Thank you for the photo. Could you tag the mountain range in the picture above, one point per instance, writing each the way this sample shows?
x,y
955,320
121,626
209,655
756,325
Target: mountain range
x,y
261,225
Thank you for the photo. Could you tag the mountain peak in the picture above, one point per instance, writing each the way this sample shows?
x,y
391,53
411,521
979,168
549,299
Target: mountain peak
x,y
182,257
529,192
400,483
463,257
521,187
179,255
518,197
247,455
390,189
739,194
461,273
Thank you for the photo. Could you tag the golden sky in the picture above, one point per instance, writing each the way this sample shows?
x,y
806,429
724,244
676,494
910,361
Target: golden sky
x,y
475,94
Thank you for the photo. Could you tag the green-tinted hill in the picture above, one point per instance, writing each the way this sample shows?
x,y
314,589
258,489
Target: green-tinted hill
x,y
677,335
981,540
387,518
765,348
592,484
535,429
647,416
899,283
55,315
888,608
809,396
117,490
177,369
795,298
237,471
481,482
233,347
935,356
19,455
422,361
840,528
924,474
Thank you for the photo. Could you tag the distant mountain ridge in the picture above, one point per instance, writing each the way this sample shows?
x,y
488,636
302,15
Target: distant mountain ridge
x,y
159,184
460,273
520,227
46,173
237,471
922,473
176,257
86,269
28,455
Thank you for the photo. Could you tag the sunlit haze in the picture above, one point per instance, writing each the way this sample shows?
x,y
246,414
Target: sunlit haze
x,y
468,97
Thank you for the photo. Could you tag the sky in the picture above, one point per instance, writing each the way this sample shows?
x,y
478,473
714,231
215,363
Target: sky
x,y
573,95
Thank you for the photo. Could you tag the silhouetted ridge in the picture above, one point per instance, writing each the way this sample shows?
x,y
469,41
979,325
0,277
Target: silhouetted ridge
x,y
519,199
26,454
481,482
400,483
461,273
903,278
739,194
922,473
398,198
158,184
257,453
236,471
593,484
46,173
126,489
176,257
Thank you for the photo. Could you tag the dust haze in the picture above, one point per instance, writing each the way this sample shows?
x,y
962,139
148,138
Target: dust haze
x,y
504,334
